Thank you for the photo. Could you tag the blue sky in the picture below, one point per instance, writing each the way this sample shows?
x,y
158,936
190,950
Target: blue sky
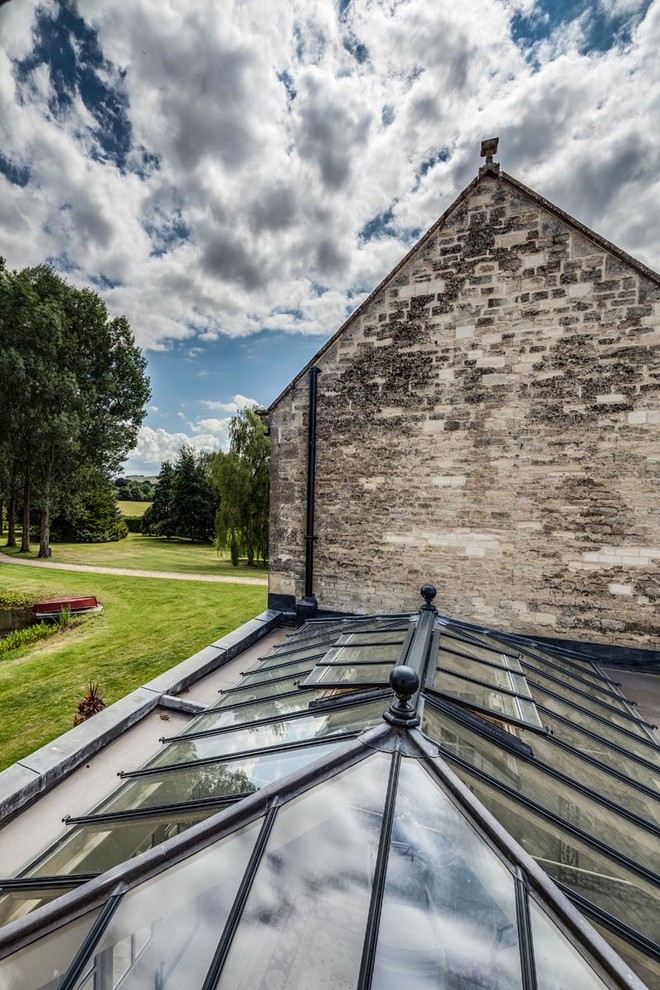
x,y
236,177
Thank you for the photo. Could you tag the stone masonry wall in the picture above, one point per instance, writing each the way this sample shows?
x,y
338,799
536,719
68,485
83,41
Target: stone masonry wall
x,y
489,422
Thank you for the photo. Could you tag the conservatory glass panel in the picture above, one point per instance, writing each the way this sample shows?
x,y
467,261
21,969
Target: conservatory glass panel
x,y
165,931
449,905
366,654
498,677
95,848
212,780
558,963
295,655
594,875
239,695
370,674
16,903
261,676
555,795
601,750
307,727
305,918
219,718
482,696
374,636
623,719
603,725
646,968
493,653
42,964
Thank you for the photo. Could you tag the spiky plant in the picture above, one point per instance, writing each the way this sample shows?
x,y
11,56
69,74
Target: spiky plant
x,y
90,705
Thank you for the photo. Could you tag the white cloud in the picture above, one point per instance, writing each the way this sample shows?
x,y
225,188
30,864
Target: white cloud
x,y
276,133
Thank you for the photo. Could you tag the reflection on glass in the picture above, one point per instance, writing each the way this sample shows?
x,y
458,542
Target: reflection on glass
x,y
259,676
545,789
16,903
304,922
366,654
498,677
212,780
558,963
478,695
165,932
97,848
383,636
41,965
240,695
601,750
603,725
643,965
373,673
218,718
449,911
572,861
183,750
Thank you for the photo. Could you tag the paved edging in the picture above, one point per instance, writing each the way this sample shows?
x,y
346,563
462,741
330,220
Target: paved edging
x,y
128,572
33,775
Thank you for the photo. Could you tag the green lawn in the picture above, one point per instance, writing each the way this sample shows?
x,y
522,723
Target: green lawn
x,y
147,626
147,553
134,508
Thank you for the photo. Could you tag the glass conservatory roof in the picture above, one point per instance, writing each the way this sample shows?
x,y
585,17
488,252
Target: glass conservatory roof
x,y
382,802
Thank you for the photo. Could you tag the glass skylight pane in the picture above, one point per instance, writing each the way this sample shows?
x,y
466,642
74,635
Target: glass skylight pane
x,y
212,780
558,963
593,703
478,695
449,909
241,695
643,965
372,673
165,932
271,708
41,965
494,653
543,788
497,677
372,654
373,637
261,674
97,848
16,903
306,727
602,751
603,725
608,884
304,922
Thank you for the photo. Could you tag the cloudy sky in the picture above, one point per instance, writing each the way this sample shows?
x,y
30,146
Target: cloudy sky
x,y
236,176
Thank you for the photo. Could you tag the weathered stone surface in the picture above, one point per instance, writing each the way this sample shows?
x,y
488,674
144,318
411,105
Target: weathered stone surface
x,y
490,422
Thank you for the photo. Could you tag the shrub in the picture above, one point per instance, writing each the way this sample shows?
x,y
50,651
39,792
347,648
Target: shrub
x,y
134,523
90,705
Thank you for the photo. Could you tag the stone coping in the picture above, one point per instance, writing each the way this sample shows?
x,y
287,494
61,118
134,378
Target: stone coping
x,y
31,776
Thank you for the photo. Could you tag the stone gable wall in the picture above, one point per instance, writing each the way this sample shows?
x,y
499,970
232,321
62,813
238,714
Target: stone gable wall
x,y
490,423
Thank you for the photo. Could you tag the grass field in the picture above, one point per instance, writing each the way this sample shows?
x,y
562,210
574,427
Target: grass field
x,y
147,626
147,553
134,508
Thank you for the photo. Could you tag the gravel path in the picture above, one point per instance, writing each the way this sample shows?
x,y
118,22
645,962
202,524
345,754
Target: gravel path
x,y
126,572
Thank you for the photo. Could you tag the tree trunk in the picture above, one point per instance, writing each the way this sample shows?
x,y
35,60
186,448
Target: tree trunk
x,y
25,539
11,522
44,531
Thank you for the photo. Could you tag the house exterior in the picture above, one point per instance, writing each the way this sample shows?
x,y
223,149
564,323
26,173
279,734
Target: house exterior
x,y
490,417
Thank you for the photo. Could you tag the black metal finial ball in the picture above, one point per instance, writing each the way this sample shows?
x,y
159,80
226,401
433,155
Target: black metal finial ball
x,y
404,681
428,593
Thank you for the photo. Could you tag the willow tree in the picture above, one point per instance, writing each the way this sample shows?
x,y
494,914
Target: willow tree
x,y
243,478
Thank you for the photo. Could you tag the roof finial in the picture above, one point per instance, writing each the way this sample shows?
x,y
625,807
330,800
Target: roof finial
x,y
488,149
405,683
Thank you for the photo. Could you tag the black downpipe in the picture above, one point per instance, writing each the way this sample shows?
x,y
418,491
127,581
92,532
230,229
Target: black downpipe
x,y
307,608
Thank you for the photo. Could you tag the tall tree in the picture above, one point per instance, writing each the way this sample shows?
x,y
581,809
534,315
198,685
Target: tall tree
x,y
72,387
192,506
243,478
156,520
